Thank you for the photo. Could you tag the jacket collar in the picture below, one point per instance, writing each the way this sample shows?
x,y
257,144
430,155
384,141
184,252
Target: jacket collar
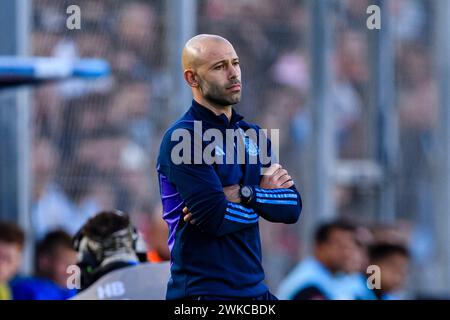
x,y
202,113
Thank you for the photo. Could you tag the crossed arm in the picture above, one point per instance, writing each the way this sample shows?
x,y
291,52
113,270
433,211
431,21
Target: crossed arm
x,y
264,202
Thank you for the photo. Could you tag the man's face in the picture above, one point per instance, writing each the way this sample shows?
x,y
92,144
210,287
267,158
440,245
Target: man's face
x,y
219,75
56,264
339,249
393,272
10,260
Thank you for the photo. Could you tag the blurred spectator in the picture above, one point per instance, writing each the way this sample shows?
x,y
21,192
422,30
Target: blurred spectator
x,y
314,278
393,261
154,230
418,106
348,90
12,240
353,280
158,235
54,254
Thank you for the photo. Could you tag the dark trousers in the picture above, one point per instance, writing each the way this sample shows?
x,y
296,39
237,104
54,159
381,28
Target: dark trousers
x,y
265,297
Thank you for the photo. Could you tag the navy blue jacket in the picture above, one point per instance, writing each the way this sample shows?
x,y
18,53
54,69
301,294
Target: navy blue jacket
x,y
220,254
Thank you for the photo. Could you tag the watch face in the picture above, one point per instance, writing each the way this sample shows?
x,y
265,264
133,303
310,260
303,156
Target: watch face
x,y
246,192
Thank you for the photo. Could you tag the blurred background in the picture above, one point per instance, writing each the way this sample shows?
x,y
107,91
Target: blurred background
x,y
363,116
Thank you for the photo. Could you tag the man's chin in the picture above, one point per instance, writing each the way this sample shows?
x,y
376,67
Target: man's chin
x,y
226,102
235,99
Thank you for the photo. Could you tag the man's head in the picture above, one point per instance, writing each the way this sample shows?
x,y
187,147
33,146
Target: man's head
x,y
211,69
334,245
12,240
393,260
54,254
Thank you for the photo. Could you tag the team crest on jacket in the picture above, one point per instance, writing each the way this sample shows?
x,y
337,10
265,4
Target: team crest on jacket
x,y
219,151
251,147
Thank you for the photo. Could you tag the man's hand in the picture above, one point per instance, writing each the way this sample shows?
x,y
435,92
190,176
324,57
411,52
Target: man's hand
x,y
276,178
232,193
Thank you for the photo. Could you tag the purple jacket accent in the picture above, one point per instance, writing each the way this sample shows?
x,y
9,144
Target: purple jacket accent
x,y
172,207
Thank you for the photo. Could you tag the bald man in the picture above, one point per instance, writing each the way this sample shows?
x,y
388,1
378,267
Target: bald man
x,y
213,207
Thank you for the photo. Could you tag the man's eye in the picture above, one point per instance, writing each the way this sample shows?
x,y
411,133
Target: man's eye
x,y
236,63
218,67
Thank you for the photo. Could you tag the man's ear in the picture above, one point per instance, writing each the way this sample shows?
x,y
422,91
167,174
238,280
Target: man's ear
x,y
191,78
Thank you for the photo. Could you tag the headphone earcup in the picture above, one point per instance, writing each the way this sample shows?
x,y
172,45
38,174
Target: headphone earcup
x,y
87,262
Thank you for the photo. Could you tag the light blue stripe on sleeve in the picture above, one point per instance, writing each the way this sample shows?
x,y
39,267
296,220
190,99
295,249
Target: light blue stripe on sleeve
x,y
238,206
242,214
266,195
276,201
240,220
274,190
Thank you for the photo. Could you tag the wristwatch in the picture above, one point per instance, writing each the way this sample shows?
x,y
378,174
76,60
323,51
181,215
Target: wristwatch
x,y
246,194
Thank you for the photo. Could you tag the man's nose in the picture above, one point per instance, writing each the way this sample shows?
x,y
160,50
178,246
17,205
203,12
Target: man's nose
x,y
234,73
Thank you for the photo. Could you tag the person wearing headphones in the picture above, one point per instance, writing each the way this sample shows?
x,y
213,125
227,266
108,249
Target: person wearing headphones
x,y
110,258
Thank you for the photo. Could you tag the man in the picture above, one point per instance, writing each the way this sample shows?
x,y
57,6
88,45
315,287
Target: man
x,y
393,261
12,240
54,254
316,278
216,248
354,279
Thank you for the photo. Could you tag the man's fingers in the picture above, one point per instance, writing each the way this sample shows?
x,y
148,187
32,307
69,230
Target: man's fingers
x,y
272,169
280,173
275,177
287,184
282,180
187,217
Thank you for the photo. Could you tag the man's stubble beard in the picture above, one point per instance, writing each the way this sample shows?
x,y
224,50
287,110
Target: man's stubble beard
x,y
216,95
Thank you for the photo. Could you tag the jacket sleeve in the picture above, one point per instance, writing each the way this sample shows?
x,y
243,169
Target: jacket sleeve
x,y
202,192
277,205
